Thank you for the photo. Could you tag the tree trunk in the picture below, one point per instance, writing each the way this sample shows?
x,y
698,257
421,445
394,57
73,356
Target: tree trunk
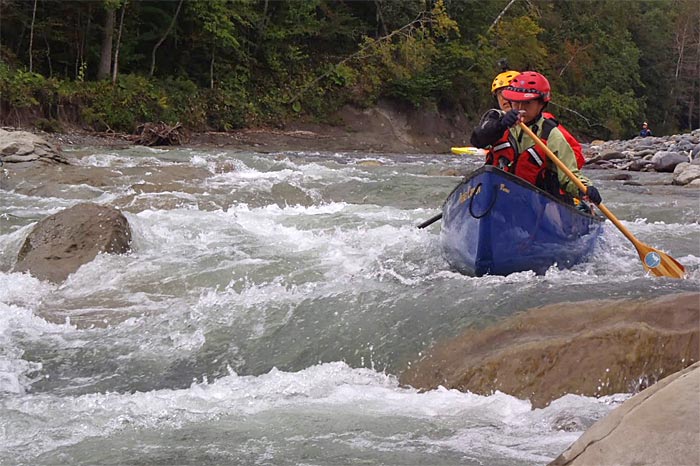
x,y
115,68
381,25
31,39
81,41
103,71
697,72
162,39
48,56
211,70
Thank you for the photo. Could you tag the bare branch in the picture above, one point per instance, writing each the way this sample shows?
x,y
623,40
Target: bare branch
x,y
500,15
115,69
162,39
573,56
31,37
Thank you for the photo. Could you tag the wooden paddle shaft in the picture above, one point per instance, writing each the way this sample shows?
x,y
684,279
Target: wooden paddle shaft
x,y
579,184
560,165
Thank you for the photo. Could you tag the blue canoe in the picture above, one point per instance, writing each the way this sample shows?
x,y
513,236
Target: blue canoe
x,y
496,223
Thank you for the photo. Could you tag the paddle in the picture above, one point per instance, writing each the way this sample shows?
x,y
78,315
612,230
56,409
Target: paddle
x,y
653,260
430,221
467,151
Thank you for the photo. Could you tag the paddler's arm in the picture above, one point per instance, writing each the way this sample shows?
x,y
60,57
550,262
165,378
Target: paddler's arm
x,y
489,129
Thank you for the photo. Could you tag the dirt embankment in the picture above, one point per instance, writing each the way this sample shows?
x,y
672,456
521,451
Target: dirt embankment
x,y
386,128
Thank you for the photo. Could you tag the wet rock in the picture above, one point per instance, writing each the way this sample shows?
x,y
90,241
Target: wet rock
x,y
636,165
644,153
370,163
448,172
608,155
22,147
621,177
591,348
686,173
600,164
695,153
666,161
658,426
285,194
59,244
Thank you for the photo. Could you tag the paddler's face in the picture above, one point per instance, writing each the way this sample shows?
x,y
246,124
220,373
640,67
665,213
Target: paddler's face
x,y
529,109
502,102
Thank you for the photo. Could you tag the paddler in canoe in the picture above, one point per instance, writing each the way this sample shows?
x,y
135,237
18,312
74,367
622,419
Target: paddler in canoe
x,y
509,148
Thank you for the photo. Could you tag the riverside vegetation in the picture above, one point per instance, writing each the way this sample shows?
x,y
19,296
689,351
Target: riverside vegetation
x,y
112,65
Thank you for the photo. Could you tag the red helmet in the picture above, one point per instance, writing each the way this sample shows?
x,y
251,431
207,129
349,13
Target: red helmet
x,y
528,85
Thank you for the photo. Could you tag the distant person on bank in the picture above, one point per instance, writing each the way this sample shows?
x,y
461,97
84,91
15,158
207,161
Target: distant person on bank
x,y
645,130
514,151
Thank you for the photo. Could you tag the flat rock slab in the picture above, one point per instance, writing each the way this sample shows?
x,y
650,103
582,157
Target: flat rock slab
x,y
591,348
659,426
59,244
22,146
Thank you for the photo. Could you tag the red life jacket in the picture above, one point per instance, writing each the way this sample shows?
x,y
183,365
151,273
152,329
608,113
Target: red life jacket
x,y
575,145
530,164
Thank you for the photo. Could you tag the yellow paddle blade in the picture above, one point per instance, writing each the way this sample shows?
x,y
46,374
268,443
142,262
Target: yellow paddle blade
x,y
467,151
659,263
654,261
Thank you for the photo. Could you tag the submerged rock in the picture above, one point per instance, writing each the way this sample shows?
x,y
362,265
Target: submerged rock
x,y
592,348
59,244
659,426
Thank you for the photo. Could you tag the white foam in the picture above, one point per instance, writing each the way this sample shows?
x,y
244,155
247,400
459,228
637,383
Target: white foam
x,y
498,423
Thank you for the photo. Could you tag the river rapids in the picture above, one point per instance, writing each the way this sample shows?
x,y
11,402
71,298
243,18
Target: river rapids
x,y
268,307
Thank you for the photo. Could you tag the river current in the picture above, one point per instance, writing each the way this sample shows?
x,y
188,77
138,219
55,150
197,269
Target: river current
x,y
268,307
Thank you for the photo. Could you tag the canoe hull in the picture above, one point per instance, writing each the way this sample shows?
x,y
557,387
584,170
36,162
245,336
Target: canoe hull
x,y
495,223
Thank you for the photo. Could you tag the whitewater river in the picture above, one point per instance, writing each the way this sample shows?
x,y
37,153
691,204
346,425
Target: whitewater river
x,y
268,307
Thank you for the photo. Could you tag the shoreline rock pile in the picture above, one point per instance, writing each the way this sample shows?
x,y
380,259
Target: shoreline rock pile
x,y
23,147
678,154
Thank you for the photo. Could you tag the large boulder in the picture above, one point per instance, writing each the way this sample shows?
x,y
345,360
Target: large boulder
x,y
659,426
21,146
59,244
666,161
686,173
592,348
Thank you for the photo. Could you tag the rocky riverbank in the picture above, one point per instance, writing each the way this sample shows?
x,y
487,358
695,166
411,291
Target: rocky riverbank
x,y
678,154
384,129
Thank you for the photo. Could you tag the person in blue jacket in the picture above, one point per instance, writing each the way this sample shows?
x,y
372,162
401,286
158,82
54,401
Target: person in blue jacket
x,y
645,130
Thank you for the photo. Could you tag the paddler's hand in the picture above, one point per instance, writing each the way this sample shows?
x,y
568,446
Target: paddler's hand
x,y
510,119
593,195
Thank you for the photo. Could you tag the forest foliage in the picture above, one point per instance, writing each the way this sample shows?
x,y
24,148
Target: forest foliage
x,y
227,64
